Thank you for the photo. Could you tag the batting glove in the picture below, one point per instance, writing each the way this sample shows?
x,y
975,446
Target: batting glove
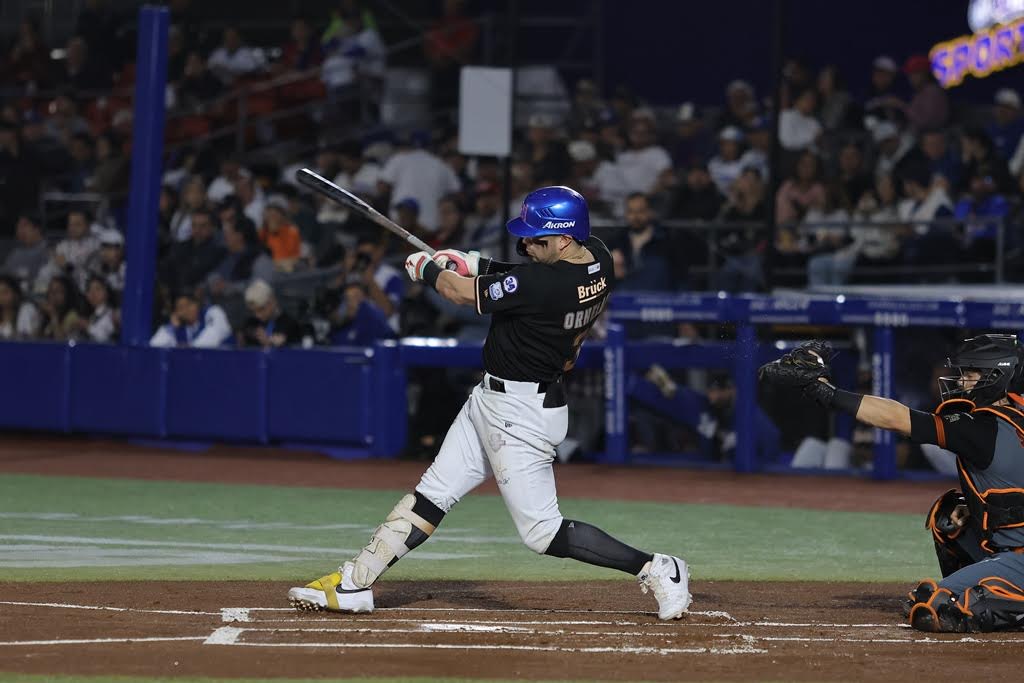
x,y
415,264
461,262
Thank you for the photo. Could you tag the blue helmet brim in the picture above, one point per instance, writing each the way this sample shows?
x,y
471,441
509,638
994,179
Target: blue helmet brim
x,y
519,228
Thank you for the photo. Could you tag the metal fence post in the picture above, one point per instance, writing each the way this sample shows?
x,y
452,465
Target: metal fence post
x,y
147,162
744,376
881,372
1000,250
389,410
616,442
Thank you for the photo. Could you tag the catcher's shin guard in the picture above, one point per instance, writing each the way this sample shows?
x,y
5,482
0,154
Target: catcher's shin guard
x,y
409,524
995,604
951,555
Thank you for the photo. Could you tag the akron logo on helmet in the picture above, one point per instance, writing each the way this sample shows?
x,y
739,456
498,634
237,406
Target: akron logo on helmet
x,y
553,225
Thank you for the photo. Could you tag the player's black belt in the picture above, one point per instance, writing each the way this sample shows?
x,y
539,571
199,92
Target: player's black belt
x,y
554,392
495,384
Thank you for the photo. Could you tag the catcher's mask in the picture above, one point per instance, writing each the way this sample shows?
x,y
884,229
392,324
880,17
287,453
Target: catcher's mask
x,y
996,359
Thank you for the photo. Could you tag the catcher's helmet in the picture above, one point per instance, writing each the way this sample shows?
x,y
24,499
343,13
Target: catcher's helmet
x,y
999,358
555,210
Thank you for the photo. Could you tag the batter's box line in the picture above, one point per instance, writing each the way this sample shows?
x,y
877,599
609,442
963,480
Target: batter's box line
x,y
63,605
246,612
229,635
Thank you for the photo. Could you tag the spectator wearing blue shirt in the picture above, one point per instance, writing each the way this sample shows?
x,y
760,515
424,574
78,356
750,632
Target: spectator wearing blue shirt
x,y
357,320
1008,127
382,283
982,211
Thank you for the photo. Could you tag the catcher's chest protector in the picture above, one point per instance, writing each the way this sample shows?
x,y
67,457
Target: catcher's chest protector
x,y
995,495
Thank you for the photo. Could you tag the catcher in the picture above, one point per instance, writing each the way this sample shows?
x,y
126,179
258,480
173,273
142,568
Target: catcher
x,y
979,532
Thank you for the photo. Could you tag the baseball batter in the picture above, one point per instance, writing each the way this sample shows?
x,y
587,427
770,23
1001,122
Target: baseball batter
x,y
979,533
541,312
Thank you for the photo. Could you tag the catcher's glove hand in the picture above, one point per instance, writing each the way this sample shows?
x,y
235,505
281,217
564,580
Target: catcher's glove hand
x,y
799,368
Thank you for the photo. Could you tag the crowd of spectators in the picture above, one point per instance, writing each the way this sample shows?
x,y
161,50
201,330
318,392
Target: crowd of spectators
x,y
890,184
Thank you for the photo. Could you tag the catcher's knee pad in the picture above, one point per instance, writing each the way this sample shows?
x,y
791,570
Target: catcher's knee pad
x,y
539,536
951,555
938,610
410,523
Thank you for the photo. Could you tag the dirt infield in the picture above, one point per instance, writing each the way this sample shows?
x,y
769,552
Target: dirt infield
x,y
596,630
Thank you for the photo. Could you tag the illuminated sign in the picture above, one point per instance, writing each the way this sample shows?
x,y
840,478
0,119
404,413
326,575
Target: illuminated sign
x,y
979,55
983,14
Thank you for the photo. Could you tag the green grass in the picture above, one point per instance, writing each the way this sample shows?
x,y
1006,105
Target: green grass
x,y
61,528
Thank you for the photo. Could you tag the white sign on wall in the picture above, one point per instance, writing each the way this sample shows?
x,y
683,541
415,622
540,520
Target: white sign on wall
x,y
485,111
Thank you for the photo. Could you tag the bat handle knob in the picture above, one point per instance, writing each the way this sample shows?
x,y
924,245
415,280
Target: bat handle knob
x,y
451,265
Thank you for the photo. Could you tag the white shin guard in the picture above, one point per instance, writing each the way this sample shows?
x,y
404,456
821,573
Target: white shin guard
x,y
402,531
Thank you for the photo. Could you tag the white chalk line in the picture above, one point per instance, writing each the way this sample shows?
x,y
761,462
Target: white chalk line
x,y
97,641
741,649
63,605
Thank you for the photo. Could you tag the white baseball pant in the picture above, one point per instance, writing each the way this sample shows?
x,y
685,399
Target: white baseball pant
x,y
513,436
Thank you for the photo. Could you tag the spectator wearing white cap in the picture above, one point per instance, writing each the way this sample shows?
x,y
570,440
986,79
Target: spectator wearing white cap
x,y
1008,125
884,71
892,147
726,166
267,325
595,178
108,263
692,143
799,128
740,105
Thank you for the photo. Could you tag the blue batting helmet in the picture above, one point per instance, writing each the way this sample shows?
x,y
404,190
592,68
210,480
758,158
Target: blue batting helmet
x,y
556,210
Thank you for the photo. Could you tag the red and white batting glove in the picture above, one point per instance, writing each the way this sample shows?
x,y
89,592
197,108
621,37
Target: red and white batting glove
x,y
415,264
465,263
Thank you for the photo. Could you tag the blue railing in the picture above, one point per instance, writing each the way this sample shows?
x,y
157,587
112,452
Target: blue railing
x,y
352,401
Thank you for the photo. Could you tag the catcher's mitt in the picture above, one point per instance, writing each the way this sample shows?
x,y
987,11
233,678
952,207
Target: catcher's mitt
x,y
800,367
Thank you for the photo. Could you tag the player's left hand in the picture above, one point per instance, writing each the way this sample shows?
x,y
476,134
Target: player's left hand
x,y
461,262
415,264
800,367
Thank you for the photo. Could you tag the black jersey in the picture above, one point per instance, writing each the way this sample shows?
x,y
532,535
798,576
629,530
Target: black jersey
x,y
541,314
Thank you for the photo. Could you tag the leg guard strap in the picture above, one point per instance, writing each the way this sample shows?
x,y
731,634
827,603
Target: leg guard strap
x,y
410,523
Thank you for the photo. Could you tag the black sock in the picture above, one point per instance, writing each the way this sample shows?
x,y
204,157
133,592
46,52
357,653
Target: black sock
x,y
587,543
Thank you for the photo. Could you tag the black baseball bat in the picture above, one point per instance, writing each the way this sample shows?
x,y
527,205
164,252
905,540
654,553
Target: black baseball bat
x,y
318,183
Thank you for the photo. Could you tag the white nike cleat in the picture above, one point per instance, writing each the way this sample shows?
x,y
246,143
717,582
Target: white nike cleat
x,y
669,578
334,592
